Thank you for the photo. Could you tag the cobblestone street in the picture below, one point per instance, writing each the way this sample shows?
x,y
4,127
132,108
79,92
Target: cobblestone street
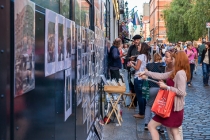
x,y
196,125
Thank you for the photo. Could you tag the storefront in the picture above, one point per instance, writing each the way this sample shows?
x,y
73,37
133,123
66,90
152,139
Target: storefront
x,y
54,52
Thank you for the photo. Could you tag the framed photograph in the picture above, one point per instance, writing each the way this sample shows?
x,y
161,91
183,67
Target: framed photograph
x,y
50,42
24,49
68,94
92,93
96,104
79,34
79,54
92,113
84,112
68,40
79,93
99,127
82,66
73,41
60,49
90,136
88,124
79,73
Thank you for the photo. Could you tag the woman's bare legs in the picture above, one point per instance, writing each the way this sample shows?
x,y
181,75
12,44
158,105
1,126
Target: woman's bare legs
x,y
152,128
175,133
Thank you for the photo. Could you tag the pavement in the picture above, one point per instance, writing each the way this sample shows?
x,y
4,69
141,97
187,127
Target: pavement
x,y
196,124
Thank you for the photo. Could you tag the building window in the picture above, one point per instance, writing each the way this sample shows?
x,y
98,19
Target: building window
x,y
64,8
49,4
78,12
85,12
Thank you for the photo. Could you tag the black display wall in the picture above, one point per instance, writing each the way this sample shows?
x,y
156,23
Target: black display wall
x,y
39,113
5,73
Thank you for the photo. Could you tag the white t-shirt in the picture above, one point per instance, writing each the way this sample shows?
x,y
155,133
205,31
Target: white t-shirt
x,y
143,59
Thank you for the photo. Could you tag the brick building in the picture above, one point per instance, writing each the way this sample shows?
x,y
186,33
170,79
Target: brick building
x,y
157,25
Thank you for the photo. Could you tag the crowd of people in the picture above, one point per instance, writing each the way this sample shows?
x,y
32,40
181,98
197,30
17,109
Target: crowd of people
x,y
172,65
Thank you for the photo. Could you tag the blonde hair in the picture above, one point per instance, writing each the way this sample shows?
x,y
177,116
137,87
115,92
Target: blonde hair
x,y
157,57
195,44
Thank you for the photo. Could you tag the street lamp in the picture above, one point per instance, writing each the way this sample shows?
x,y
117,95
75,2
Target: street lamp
x,y
126,4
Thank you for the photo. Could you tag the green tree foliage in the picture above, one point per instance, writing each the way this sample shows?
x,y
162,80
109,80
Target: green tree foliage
x,y
186,19
197,17
176,24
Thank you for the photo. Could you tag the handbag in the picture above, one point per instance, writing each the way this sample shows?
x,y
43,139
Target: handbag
x,y
145,90
163,103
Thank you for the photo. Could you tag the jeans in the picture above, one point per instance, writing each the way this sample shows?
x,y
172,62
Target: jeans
x,y
206,71
115,74
199,59
192,67
152,95
138,90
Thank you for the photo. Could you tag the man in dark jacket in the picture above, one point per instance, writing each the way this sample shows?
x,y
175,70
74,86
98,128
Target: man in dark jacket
x,y
205,60
115,60
200,50
133,52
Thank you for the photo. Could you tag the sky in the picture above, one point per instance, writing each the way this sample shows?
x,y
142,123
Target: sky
x,y
138,3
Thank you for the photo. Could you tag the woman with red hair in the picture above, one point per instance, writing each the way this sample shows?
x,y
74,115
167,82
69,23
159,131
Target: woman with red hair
x,y
176,82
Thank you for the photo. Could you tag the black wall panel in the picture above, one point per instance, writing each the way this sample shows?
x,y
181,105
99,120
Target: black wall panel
x,y
34,112
5,73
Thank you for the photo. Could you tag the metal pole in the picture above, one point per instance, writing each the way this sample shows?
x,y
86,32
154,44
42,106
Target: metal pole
x,y
208,35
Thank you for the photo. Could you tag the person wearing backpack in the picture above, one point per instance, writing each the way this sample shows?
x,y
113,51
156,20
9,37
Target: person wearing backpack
x,y
191,57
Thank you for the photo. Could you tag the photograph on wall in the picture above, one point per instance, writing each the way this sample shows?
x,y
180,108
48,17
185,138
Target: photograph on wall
x,y
88,123
96,104
98,127
68,94
24,47
92,92
90,136
83,38
79,34
79,53
86,65
92,114
68,41
60,52
50,42
73,38
82,65
84,112
79,73
79,93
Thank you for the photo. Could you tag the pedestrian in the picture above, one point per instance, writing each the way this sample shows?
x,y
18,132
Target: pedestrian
x,y
200,50
139,65
156,66
195,49
115,59
176,82
125,51
170,60
191,57
178,47
133,52
205,59
154,49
